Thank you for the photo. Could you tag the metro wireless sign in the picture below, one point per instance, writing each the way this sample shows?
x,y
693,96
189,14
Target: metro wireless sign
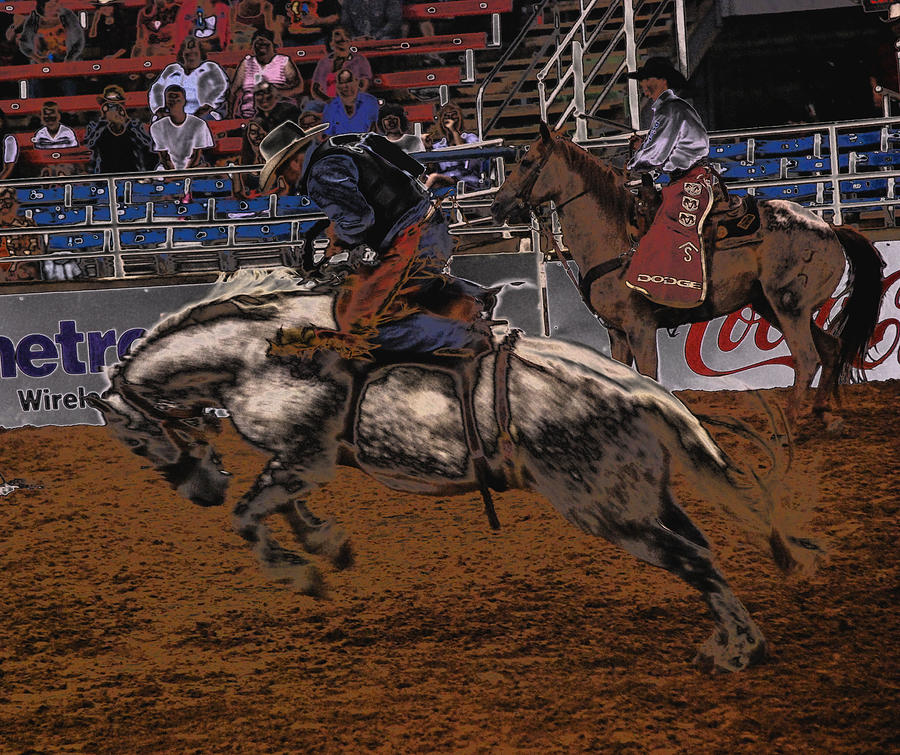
x,y
70,350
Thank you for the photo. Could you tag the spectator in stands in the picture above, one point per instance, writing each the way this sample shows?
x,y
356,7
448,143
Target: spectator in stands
x,y
15,246
393,125
51,34
156,28
179,138
10,148
247,184
53,133
372,19
450,128
207,20
352,111
324,78
311,115
271,108
249,17
264,63
205,83
309,22
108,35
118,144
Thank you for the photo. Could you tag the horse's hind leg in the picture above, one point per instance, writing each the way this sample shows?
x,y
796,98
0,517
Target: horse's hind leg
x,y
829,348
273,493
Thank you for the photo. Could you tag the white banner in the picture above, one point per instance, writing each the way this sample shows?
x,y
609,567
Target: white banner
x,y
54,346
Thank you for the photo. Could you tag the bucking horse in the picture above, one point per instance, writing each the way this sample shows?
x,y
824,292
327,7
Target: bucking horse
x,y
592,436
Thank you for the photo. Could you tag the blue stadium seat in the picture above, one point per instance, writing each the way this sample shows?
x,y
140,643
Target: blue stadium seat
x,y
809,165
729,151
879,159
863,140
190,211
126,213
41,195
150,192
294,205
803,145
61,242
89,192
878,186
793,193
263,233
142,238
211,187
257,207
59,215
747,171
202,235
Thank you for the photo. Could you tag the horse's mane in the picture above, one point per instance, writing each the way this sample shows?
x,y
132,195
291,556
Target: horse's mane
x,y
253,287
603,181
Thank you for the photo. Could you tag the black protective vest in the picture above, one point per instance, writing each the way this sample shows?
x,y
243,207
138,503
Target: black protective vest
x,y
386,178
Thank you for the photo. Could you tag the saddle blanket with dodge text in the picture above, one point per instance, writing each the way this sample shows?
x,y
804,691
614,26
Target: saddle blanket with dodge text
x,y
669,266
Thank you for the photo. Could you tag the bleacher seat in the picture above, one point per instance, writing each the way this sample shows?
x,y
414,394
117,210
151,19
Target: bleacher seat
x,y
729,151
256,207
862,140
793,192
124,213
877,159
142,238
803,145
739,171
212,187
869,186
186,211
89,192
59,215
61,242
41,195
809,165
294,205
204,235
263,233
151,192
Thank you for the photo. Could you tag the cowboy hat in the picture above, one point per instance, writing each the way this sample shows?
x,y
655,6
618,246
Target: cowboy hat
x,y
281,144
112,93
660,68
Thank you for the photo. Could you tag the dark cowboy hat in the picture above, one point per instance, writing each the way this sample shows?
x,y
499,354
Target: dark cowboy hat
x,y
281,144
660,68
112,94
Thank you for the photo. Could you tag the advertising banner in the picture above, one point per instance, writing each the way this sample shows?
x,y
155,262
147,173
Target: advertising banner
x,y
55,346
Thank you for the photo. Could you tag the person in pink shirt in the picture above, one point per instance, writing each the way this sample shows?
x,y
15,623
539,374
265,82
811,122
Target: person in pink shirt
x,y
263,64
324,78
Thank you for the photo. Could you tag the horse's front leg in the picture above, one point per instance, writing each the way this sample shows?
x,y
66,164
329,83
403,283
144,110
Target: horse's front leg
x,y
273,493
321,537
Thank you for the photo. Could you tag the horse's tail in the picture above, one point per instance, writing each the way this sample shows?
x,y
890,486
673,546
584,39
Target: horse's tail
x,y
857,320
747,496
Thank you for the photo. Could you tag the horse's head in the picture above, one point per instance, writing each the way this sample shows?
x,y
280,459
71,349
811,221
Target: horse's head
x,y
532,182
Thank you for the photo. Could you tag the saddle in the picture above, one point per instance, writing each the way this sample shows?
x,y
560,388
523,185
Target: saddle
x,y
362,360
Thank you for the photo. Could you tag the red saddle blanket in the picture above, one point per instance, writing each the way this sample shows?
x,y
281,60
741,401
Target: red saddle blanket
x,y
669,266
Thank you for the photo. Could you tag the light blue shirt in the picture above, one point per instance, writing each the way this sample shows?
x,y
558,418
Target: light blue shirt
x,y
364,117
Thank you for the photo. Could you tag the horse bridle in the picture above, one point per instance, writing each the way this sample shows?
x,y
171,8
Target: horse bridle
x,y
524,192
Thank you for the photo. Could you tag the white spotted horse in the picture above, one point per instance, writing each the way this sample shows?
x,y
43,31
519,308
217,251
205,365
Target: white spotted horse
x,y
592,436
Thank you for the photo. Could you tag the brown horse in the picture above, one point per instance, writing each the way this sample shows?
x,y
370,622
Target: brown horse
x,y
785,275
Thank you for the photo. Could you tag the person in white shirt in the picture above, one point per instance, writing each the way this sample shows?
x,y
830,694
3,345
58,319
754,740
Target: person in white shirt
x,y
205,83
10,149
179,138
53,134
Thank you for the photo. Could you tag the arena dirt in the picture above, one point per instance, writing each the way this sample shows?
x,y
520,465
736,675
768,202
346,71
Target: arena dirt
x,y
135,622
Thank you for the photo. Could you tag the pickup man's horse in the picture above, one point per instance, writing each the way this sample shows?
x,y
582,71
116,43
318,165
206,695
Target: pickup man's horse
x,y
591,435
785,275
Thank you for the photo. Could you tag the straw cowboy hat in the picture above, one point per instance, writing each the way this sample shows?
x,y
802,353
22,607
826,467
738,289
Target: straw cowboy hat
x,y
113,94
280,145
660,68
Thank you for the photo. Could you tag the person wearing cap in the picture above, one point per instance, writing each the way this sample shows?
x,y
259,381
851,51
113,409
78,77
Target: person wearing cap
x,y
668,264
118,144
396,242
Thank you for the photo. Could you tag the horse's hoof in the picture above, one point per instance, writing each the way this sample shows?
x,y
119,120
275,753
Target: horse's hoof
x,y
714,657
834,427
303,578
331,542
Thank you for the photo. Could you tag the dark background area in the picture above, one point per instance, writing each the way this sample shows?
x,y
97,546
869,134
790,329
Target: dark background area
x,y
795,68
